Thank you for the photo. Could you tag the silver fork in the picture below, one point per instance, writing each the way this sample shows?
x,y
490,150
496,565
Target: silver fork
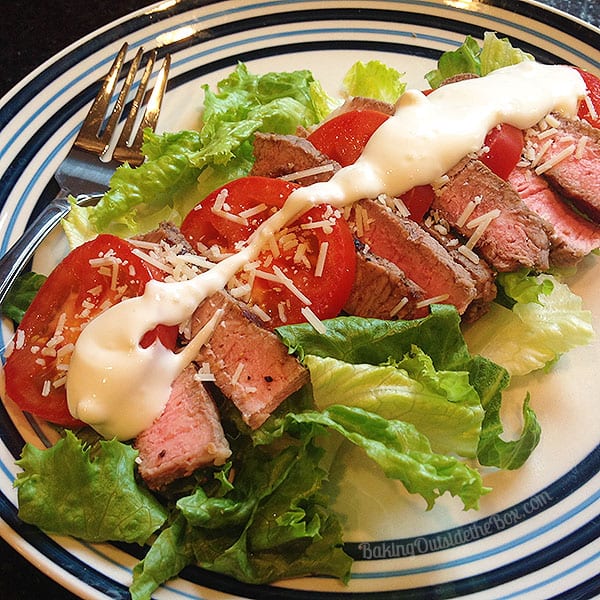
x,y
97,151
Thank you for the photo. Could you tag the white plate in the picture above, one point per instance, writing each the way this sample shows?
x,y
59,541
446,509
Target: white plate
x,y
536,533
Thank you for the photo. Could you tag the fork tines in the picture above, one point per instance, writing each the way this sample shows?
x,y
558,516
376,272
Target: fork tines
x,y
98,132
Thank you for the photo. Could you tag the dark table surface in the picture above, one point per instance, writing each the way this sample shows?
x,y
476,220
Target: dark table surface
x,y
30,33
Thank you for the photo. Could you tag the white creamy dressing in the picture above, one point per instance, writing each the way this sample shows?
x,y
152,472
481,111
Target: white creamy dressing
x,y
119,388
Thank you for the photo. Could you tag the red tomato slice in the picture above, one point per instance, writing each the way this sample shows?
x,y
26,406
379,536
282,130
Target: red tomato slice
x,y
93,277
505,145
321,234
593,86
344,137
220,218
418,200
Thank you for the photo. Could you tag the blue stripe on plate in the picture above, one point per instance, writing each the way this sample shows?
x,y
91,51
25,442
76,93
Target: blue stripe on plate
x,y
55,553
501,521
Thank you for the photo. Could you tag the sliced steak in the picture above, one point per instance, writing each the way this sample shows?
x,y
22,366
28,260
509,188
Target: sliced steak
x,y
250,364
169,233
515,238
362,103
422,258
382,291
484,277
573,236
577,175
187,436
278,155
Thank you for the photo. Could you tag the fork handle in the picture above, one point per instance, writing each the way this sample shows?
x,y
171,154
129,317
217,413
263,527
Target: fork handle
x,y
13,262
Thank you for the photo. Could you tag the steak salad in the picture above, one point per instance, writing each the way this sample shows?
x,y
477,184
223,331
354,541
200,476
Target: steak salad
x,y
267,288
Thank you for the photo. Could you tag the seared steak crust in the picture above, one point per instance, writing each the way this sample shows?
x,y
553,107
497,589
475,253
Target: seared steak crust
x,y
362,103
516,238
250,364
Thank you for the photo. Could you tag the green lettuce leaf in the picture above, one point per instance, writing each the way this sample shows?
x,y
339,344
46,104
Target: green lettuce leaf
x,y
162,188
493,450
374,79
397,447
442,405
494,53
21,294
373,341
356,340
271,523
546,320
66,490
499,52
465,59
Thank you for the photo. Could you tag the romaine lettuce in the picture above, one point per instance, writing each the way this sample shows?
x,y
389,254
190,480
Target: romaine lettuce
x,y
440,404
494,53
374,79
273,522
357,340
67,490
546,320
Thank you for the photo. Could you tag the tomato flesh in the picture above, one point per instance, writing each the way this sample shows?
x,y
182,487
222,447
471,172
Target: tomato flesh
x,y
343,138
593,88
418,200
504,146
91,278
289,269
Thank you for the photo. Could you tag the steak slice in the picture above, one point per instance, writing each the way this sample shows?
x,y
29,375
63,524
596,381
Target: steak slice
x,y
362,103
422,258
577,176
277,155
515,238
170,234
484,277
250,364
573,236
381,290
188,435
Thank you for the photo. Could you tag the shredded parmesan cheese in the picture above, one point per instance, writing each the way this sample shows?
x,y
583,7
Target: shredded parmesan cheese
x,y
562,155
590,106
581,144
237,373
252,212
46,388
325,225
540,153
289,284
398,307
485,218
20,339
469,208
313,320
434,300
260,313
321,259
468,253
326,168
